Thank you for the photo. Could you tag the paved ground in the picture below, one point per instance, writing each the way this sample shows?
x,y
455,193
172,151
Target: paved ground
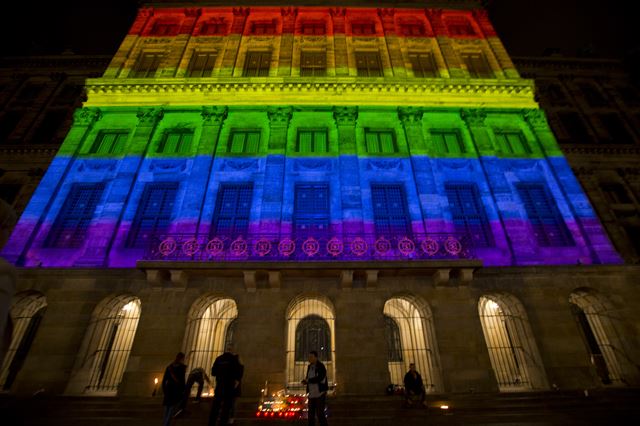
x,y
610,407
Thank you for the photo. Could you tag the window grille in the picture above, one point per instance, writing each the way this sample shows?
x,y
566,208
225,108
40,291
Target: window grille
x,y
109,142
71,225
244,141
176,142
390,212
468,213
147,65
423,65
448,141
368,64
311,214
233,209
257,64
477,65
154,213
313,334
312,141
380,141
548,225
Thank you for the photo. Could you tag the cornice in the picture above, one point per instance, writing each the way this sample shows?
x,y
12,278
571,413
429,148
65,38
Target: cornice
x,y
622,150
57,61
300,91
457,4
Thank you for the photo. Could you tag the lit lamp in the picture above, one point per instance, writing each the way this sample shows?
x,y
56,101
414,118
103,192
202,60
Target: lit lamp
x,y
155,386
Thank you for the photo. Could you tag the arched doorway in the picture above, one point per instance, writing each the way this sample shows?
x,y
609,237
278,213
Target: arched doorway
x,y
411,339
210,329
26,314
600,326
105,351
310,326
512,349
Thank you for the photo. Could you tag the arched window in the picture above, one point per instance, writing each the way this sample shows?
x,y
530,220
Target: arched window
x,y
513,353
310,326
600,326
105,351
313,334
210,329
411,340
26,315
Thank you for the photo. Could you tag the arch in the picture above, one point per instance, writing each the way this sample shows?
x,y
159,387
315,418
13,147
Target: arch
x,y
107,345
411,339
303,312
512,349
601,325
26,314
210,328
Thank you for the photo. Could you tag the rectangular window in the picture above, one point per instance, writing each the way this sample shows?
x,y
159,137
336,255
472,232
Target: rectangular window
x,y
147,65
312,140
164,29
201,64
312,28
313,64
368,64
261,28
477,65
412,29
363,28
574,128
423,65
47,132
616,129
176,142
233,209
244,141
71,224
213,28
311,215
380,141
468,213
257,64
8,123
548,225
390,211
460,27
512,142
615,193
154,213
448,141
109,142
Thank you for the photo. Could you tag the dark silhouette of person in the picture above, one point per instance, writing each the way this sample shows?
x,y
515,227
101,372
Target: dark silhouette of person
x,y
228,372
413,386
173,383
317,387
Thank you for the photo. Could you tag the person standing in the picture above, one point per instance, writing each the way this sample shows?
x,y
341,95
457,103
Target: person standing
x,y
228,373
173,387
413,386
197,375
317,387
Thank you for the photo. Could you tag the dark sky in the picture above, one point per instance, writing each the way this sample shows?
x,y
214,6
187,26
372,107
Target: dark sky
x,y
527,27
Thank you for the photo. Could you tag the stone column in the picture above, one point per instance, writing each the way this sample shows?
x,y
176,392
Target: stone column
x,y
338,15
289,15
279,118
392,42
232,45
26,231
345,119
451,58
7,289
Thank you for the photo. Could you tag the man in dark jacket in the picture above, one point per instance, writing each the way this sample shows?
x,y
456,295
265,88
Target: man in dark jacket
x,y
228,373
173,387
413,386
317,387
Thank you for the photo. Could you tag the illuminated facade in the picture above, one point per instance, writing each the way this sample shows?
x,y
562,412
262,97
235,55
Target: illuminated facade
x,y
331,173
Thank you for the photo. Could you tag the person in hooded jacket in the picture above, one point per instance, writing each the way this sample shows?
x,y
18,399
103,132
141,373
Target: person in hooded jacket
x,y
173,383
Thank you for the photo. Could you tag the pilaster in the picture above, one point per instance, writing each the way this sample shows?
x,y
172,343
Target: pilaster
x,y
350,191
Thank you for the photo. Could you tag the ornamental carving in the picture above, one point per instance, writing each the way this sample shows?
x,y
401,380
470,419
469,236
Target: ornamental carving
x,y
213,116
149,116
86,116
279,116
345,116
410,115
536,118
473,117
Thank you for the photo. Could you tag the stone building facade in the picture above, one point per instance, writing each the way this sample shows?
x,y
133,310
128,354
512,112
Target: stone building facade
x,y
379,185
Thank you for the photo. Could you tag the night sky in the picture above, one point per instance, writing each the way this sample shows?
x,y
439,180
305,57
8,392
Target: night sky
x,y
527,27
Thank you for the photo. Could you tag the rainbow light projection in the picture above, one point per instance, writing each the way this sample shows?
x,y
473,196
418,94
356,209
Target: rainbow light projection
x,y
150,120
